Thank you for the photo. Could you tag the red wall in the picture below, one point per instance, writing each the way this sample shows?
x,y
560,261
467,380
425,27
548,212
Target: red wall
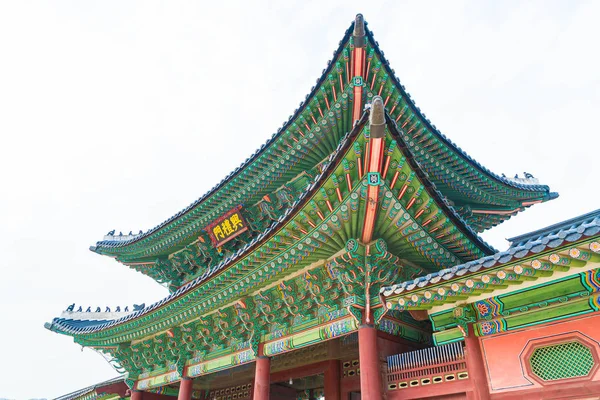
x,y
505,357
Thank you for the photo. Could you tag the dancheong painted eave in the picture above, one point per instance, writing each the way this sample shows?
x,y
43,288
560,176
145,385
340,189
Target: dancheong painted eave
x,y
541,253
84,327
92,391
359,192
79,327
497,198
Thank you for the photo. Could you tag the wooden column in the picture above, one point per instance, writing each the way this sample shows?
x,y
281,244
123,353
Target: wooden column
x,y
332,380
370,370
476,367
262,383
137,395
185,389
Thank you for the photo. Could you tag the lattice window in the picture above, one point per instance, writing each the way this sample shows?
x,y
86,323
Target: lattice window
x,y
561,361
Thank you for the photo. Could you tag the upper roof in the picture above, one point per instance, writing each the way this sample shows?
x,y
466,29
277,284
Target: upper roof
x,y
425,214
480,196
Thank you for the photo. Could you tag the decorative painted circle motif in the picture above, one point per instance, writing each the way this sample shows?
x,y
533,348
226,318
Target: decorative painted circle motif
x,y
575,253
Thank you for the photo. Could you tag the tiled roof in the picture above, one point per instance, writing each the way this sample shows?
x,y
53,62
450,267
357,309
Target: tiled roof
x,y
70,326
451,212
452,145
553,229
285,126
538,241
89,389
76,327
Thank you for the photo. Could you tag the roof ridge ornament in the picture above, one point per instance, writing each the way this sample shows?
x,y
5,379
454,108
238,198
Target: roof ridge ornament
x,y
359,31
377,118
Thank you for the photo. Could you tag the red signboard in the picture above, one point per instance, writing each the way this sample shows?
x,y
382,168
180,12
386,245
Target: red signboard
x,y
226,227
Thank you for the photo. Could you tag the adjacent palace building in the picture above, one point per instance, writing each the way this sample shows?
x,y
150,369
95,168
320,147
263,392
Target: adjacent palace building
x,y
342,261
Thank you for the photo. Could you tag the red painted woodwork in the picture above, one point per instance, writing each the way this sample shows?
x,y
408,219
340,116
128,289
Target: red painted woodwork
x,y
119,388
548,341
370,368
359,59
262,380
570,391
476,367
504,357
185,389
350,386
137,395
332,380
375,160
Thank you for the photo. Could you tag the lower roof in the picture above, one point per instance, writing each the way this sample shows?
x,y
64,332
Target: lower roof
x,y
81,392
553,236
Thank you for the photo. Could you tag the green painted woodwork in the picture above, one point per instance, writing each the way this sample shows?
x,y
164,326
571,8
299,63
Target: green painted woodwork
x,y
563,288
443,320
466,185
562,298
515,272
561,361
547,314
306,140
303,276
158,381
290,248
109,397
398,325
319,230
311,336
448,336
318,237
220,363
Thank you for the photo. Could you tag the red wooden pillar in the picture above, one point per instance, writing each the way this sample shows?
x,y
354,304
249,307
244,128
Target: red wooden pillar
x,y
370,370
476,367
262,383
332,380
185,389
137,395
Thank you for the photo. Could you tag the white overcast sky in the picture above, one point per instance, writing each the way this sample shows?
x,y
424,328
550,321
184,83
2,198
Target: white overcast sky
x,y
117,114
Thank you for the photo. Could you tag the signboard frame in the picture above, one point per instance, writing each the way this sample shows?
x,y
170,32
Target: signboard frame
x,y
238,227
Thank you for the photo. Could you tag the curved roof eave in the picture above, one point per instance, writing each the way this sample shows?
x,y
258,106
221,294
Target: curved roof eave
x,y
59,325
458,221
584,227
446,140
